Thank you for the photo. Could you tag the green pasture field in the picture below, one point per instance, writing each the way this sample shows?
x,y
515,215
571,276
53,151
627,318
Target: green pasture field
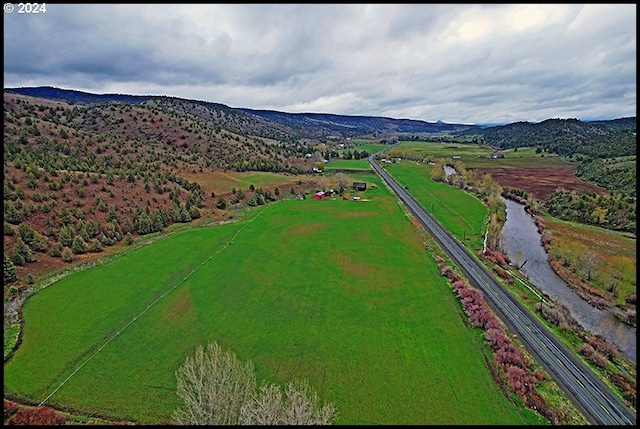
x,y
365,144
526,152
512,160
477,156
463,214
348,164
369,147
432,150
339,293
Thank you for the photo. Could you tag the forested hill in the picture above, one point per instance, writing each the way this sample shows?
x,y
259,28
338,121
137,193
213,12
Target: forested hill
x,y
597,139
282,126
620,123
217,114
72,96
358,125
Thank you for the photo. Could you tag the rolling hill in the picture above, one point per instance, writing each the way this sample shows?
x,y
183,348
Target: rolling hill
x,y
279,125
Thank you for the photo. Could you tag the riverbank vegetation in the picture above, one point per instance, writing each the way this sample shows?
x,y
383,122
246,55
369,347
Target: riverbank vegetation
x,y
615,212
600,262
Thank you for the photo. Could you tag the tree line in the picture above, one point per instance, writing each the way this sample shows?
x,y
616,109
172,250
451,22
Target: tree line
x,y
610,211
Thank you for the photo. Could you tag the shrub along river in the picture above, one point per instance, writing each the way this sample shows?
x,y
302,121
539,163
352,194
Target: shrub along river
x,y
521,242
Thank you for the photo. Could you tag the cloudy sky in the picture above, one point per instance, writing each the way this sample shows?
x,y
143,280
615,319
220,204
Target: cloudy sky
x,y
473,63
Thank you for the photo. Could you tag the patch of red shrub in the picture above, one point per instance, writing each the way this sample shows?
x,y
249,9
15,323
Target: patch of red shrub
x,y
509,358
37,416
10,408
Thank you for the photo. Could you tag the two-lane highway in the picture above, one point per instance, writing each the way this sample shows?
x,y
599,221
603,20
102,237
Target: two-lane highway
x,y
589,394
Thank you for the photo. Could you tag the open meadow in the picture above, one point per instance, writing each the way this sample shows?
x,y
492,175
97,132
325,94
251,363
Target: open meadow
x,y
340,293
539,174
610,254
428,150
348,164
464,215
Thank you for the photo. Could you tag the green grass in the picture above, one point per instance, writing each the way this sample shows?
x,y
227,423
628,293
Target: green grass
x,y
369,147
431,150
10,338
476,156
348,164
339,293
548,161
524,152
464,215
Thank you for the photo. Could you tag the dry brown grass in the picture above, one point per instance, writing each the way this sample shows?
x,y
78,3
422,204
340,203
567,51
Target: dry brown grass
x,y
540,182
615,253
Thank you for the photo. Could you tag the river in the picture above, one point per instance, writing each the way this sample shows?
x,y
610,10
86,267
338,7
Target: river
x,y
521,242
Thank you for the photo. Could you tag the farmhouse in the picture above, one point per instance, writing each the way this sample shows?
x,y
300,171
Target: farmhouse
x,y
360,186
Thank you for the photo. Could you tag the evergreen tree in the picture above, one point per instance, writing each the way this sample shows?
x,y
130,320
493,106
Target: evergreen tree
x,y
79,245
26,233
144,224
22,253
9,270
66,234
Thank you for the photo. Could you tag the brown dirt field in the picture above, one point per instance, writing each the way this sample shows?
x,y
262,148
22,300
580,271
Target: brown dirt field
x,y
541,182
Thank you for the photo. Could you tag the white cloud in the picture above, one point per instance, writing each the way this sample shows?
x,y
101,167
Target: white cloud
x,y
458,63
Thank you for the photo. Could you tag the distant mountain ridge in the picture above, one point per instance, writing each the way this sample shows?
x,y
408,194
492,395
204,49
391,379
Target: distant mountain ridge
x,y
77,97
359,124
287,126
314,124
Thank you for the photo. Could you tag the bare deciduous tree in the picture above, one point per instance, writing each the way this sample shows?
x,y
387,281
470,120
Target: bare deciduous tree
x,y
342,180
217,389
213,386
590,260
265,409
302,408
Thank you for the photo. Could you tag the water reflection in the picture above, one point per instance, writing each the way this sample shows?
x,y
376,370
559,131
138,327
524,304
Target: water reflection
x,y
521,242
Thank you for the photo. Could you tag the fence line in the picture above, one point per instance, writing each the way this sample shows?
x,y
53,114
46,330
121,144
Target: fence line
x,y
148,307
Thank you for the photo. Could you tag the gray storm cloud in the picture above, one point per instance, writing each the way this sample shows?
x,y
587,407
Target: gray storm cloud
x,y
456,63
